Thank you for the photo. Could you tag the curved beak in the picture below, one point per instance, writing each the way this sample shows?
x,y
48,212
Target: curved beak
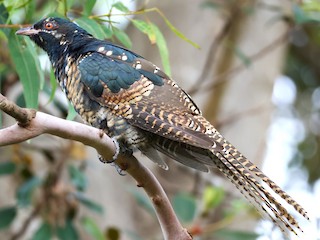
x,y
28,31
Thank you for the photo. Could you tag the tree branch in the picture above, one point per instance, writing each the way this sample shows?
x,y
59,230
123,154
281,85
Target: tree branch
x,y
217,80
33,124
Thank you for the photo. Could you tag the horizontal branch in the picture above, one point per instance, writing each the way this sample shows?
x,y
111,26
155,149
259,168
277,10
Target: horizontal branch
x,y
43,123
37,123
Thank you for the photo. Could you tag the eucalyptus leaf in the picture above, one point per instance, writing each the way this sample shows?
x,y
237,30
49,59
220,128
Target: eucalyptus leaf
x,y
92,27
24,59
43,232
7,167
71,112
88,7
67,232
242,56
142,200
236,235
120,6
78,178
24,192
146,28
184,206
92,228
163,49
53,83
212,197
7,215
89,203
177,32
3,18
122,37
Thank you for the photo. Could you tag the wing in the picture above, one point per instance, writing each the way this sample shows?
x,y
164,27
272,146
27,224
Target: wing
x,y
137,90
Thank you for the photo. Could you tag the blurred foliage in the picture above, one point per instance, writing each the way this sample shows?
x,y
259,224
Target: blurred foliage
x,y
303,68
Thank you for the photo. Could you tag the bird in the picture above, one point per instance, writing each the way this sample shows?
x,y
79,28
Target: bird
x,y
135,102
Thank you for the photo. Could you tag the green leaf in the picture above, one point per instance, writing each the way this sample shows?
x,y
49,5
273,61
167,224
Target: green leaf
x,y
108,32
88,6
24,192
238,206
236,235
92,27
212,197
92,228
30,10
120,6
184,206
132,235
7,215
122,37
43,232
71,112
142,200
53,83
7,167
146,28
311,6
24,59
299,15
3,18
163,49
209,4
142,25
68,231
32,49
177,32
78,178
244,58
89,203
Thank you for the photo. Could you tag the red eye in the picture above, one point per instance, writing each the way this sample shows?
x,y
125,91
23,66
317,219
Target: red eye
x,y
48,25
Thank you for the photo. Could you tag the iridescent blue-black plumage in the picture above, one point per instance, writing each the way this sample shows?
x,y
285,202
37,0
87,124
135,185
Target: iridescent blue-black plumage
x,y
132,100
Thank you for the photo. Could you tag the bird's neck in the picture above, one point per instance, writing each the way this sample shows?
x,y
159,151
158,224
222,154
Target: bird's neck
x,y
57,54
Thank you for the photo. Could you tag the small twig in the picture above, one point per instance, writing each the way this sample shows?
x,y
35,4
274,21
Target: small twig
x,y
212,53
254,57
27,222
23,116
236,116
13,25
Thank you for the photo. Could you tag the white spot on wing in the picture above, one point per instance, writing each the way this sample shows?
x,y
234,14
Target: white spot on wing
x,y
124,57
100,49
109,53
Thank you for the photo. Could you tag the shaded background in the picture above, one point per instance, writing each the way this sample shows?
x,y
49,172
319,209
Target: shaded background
x,y
256,78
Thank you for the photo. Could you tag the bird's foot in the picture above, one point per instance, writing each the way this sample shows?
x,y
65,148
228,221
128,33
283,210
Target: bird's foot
x,y
116,154
120,171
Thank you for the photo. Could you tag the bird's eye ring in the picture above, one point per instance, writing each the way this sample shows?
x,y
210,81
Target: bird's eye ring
x,y
48,25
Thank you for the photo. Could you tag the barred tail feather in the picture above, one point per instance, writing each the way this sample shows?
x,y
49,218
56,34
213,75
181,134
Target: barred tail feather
x,y
250,193
242,172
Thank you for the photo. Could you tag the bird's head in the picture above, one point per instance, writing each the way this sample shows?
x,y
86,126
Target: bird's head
x,y
53,32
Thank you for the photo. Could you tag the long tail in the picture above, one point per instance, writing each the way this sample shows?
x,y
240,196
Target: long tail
x,y
245,176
